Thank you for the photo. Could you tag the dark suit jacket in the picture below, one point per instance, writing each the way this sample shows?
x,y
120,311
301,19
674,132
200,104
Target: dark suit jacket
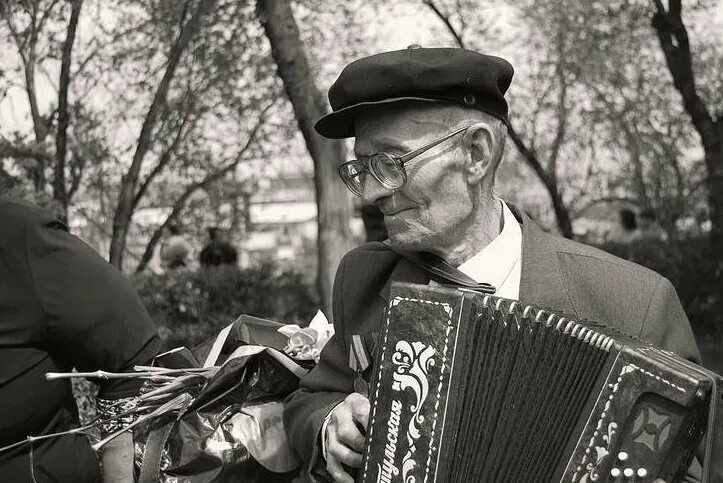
x,y
556,273
61,306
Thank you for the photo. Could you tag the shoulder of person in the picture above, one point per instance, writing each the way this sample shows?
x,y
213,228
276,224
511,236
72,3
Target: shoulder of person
x,y
366,266
17,216
606,261
370,250
599,262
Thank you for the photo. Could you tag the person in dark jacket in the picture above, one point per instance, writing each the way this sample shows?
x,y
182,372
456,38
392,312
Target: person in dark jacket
x,y
62,307
217,251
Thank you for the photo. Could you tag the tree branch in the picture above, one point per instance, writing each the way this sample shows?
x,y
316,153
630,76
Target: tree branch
x,y
60,191
562,111
445,19
129,181
163,161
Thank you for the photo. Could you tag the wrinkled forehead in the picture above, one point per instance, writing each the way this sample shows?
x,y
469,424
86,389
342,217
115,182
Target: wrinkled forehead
x,y
398,127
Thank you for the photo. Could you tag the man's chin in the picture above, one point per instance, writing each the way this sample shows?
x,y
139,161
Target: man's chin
x,y
405,242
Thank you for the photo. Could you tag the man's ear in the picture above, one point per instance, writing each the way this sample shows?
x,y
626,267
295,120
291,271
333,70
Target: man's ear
x,y
480,140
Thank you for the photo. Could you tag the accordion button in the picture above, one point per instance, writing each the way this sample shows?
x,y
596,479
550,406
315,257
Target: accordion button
x,y
628,472
615,472
622,456
642,472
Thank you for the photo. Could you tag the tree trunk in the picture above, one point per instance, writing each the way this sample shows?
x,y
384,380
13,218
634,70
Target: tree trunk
x,y
674,42
129,181
60,190
562,213
332,200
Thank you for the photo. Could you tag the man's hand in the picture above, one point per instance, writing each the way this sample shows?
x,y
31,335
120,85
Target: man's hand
x,y
344,440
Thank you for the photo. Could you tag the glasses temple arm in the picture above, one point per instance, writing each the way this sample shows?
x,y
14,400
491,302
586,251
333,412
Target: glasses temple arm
x,y
412,154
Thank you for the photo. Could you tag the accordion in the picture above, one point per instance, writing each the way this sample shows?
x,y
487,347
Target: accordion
x,y
470,387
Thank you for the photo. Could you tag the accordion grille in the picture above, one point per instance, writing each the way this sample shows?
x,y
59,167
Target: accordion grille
x,y
529,377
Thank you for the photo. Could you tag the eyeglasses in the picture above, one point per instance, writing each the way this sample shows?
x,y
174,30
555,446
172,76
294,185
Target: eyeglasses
x,y
388,170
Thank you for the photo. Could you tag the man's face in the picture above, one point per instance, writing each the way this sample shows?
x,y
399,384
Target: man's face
x,y
435,206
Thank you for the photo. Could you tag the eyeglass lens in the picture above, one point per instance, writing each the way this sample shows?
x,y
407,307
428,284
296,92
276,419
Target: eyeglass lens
x,y
389,172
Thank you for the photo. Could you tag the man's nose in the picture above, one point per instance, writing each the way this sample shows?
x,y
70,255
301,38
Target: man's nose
x,y
373,191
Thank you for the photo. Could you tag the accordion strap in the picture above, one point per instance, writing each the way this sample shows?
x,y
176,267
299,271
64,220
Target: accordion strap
x,y
434,265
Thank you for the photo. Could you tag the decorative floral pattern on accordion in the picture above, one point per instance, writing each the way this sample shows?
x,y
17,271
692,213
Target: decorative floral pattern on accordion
x,y
601,452
413,361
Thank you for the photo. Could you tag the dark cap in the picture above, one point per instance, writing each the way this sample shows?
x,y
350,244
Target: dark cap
x,y
458,76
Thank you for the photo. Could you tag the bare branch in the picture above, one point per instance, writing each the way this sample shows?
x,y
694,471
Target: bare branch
x,y
60,191
562,109
130,179
45,15
445,19
163,161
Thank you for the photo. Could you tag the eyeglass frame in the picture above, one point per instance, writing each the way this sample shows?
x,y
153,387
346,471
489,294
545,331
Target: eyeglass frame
x,y
399,162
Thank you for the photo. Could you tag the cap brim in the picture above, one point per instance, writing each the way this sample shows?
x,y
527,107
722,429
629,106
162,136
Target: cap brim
x,y
340,124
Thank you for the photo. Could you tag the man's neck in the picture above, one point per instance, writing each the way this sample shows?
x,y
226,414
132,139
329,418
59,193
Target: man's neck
x,y
483,226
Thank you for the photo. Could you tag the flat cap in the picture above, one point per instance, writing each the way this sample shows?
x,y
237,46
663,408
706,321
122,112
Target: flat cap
x,y
451,75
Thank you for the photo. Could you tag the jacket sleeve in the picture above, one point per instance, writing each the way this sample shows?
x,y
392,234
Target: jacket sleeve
x,y
322,389
666,325
95,319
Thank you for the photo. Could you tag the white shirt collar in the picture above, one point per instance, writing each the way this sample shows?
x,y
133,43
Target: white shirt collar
x,y
499,263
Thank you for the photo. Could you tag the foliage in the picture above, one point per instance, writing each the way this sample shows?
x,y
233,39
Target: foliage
x,y
686,263
189,306
202,122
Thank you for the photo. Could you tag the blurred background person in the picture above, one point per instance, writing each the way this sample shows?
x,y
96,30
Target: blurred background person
x,y
650,229
175,249
627,229
217,250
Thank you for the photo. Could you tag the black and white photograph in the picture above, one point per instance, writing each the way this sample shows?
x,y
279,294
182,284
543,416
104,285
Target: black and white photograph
x,y
381,241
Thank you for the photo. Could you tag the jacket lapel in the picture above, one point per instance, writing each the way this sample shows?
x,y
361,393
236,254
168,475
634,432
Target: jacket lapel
x,y
541,281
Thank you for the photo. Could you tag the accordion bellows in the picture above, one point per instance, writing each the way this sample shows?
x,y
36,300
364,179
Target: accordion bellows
x,y
469,387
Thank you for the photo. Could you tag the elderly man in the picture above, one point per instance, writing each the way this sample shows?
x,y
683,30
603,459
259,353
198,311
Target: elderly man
x,y
430,128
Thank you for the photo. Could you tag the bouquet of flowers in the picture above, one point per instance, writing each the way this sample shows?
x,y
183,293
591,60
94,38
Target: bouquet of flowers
x,y
220,420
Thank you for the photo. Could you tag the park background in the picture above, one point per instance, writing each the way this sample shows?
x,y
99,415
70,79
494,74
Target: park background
x,y
129,116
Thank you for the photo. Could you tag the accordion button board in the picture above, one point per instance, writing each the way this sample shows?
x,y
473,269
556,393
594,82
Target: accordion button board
x,y
470,387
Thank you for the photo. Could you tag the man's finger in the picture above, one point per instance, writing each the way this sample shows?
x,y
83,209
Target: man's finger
x,y
336,471
360,411
349,434
342,453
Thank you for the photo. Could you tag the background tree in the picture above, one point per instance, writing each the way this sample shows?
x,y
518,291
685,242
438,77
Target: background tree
x,y
212,105
675,43
32,36
129,181
647,137
333,207
552,72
